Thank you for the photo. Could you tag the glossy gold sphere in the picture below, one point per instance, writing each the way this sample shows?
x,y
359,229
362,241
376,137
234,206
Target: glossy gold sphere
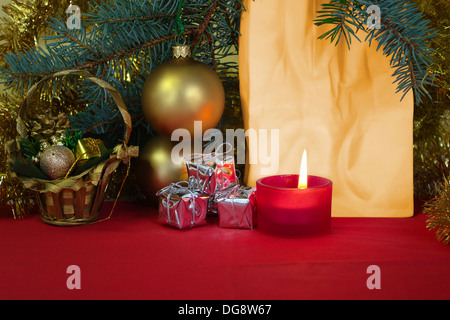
x,y
179,92
155,168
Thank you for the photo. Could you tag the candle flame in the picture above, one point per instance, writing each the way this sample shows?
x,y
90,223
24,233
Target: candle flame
x,y
303,176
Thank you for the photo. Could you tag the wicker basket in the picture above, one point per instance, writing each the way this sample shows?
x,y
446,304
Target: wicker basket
x,y
69,207
73,200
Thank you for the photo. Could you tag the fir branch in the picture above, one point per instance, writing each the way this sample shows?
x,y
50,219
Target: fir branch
x,y
122,41
15,75
129,51
145,18
405,35
343,15
77,41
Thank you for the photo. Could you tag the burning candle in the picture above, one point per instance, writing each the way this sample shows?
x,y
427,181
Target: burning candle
x,y
295,204
303,177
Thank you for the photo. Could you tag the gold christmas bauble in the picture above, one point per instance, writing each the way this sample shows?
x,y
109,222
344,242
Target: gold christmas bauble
x,y
56,161
181,91
155,168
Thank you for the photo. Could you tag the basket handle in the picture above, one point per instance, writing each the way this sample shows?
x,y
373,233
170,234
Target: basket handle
x,y
21,127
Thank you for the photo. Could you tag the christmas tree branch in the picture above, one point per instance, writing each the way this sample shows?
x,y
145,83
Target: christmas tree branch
x,y
72,39
146,18
93,64
404,34
343,15
75,40
122,41
128,52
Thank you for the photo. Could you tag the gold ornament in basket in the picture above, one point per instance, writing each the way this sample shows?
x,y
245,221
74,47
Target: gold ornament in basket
x,y
74,200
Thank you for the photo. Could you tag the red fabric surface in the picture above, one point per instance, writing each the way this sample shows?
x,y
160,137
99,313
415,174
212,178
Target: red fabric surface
x,y
132,256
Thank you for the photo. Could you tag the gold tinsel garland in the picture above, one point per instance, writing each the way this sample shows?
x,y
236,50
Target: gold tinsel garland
x,y
432,116
432,128
26,21
438,212
12,192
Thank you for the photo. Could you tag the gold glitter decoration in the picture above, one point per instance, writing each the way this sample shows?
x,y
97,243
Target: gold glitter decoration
x,y
12,192
438,212
56,161
26,22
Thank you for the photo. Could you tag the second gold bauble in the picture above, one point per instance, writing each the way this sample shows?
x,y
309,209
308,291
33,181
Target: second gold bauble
x,y
179,92
155,168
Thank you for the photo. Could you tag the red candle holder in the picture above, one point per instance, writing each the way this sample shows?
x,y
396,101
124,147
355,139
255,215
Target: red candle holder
x,y
286,210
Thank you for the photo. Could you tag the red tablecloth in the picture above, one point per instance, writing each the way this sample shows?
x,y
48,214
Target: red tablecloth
x,y
131,256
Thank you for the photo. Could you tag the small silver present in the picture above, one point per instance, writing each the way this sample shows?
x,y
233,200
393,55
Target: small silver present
x,y
237,208
181,207
209,173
